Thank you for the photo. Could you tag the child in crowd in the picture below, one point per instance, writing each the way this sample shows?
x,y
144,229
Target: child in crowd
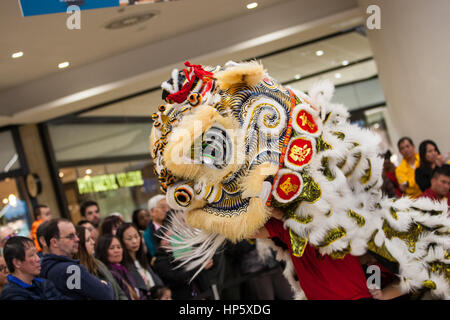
x,y
42,213
160,293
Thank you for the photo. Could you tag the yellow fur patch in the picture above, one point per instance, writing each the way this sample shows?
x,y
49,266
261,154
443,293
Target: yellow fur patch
x,y
233,228
253,182
177,152
250,73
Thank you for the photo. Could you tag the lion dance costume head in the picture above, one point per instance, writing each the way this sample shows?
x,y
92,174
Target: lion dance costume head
x,y
231,142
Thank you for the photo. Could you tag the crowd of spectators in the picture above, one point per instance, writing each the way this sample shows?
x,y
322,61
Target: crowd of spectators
x,y
111,259
423,174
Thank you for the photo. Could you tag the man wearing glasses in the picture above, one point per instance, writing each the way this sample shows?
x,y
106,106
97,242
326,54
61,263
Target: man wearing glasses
x,y
68,275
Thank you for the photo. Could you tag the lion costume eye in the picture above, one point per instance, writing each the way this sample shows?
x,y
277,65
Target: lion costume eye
x,y
214,149
183,196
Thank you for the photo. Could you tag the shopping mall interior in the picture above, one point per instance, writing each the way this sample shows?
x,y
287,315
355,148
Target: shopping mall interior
x,y
76,103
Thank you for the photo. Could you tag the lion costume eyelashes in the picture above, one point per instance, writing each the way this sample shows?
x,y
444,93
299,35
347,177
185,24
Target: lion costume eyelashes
x,y
231,141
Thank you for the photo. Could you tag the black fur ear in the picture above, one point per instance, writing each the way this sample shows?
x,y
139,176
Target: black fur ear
x,y
181,81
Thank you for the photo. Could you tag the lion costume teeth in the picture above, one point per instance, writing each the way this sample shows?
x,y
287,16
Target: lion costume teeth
x,y
232,141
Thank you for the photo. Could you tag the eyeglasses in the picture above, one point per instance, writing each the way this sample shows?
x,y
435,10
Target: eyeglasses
x,y
3,269
71,236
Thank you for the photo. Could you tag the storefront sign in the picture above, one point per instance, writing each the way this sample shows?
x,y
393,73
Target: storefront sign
x,y
110,182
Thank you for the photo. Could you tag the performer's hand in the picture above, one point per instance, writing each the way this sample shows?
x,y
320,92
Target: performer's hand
x,y
209,264
377,294
277,213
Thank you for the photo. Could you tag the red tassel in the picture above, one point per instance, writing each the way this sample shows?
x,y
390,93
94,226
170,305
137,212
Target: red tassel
x,y
183,93
198,70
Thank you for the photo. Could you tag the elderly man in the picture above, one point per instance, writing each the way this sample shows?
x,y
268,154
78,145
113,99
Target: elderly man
x,y
158,208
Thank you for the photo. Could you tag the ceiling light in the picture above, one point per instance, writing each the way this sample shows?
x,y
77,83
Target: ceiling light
x,y
88,171
130,20
319,53
63,65
252,5
297,76
16,55
345,62
337,75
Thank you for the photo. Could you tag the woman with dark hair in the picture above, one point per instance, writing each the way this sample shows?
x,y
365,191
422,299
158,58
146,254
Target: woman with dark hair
x,y
135,258
430,158
110,252
141,218
86,249
110,225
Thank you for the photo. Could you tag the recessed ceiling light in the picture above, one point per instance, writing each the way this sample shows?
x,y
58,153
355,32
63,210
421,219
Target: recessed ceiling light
x,y
252,5
337,75
63,65
298,76
345,62
319,52
16,55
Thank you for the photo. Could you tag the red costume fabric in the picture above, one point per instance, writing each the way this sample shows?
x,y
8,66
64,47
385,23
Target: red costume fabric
x,y
321,277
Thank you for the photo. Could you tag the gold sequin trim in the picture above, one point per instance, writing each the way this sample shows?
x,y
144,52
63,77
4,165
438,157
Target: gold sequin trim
x,y
341,254
360,221
332,236
429,284
298,244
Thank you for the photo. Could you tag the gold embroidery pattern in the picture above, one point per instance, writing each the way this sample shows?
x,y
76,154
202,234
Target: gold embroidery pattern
x,y
287,187
311,191
305,121
299,153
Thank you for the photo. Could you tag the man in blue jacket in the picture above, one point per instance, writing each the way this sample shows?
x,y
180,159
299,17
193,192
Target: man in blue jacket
x,y
24,265
68,275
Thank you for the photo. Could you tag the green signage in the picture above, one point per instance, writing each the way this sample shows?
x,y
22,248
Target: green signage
x,y
110,182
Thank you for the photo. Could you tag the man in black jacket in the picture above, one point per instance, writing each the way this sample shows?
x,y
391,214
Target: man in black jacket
x,y
68,275
24,265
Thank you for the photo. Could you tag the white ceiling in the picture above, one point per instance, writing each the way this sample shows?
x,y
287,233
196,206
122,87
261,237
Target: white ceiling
x,y
282,66
46,41
108,64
